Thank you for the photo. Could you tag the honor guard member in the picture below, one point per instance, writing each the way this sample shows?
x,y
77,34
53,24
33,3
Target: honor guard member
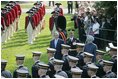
x,y
80,54
87,60
51,52
11,16
72,64
30,26
5,73
52,20
58,8
65,49
56,44
92,70
3,29
113,54
76,72
6,16
36,58
99,63
71,41
22,73
42,70
108,69
58,68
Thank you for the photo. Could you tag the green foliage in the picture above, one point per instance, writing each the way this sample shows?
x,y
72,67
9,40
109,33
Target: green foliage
x,y
109,6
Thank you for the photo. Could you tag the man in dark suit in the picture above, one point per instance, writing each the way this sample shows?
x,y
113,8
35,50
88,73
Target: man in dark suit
x,y
70,41
56,43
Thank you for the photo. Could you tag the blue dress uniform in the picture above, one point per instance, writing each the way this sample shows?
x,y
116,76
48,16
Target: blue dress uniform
x,y
5,73
36,57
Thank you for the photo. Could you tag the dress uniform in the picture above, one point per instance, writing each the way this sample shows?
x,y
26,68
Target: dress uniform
x,y
42,70
76,72
70,6
51,71
3,29
70,41
22,73
113,54
30,26
72,64
20,59
6,16
19,72
80,54
58,68
52,20
108,69
99,63
87,60
50,52
36,58
65,49
92,69
58,8
5,73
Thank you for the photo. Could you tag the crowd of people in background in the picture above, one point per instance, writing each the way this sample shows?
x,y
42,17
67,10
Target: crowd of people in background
x,y
70,57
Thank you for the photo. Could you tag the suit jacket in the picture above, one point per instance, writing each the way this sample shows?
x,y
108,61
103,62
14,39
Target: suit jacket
x,y
58,48
70,43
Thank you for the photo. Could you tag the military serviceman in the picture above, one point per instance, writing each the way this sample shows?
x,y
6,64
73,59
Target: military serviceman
x,y
108,69
113,54
80,54
42,70
76,72
30,26
51,52
99,63
3,28
65,49
58,68
92,69
72,64
58,8
36,58
19,62
5,73
87,60
22,73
